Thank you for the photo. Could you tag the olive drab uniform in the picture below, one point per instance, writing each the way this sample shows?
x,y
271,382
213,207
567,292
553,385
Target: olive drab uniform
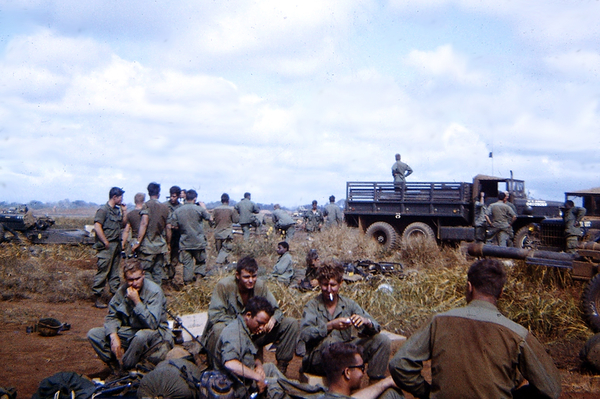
x,y
139,327
284,222
189,219
480,222
224,217
154,244
400,171
501,216
313,219
247,210
174,255
335,216
314,335
236,343
283,271
226,304
109,258
572,218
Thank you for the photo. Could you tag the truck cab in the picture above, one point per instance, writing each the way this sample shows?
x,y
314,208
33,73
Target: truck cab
x,y
549,234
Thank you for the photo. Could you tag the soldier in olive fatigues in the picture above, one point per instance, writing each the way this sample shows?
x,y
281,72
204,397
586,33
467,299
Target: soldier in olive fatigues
x,y
151,241
400,171
283,221
108,224
335,216
330,317
501,217
189,219
136,321
224,216
228,301
480,220
247,210
132,228
172,233
313,218
238,354
572,216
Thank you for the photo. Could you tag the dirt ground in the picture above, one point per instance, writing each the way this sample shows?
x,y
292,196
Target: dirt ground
x,y
27,358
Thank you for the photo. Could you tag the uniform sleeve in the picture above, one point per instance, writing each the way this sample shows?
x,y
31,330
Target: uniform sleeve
x,y
538,368
219,306
235,216
229,347
407,363
408,171
150,310
173,220
376,328
580,213
100,216
145,210
313,327
112,323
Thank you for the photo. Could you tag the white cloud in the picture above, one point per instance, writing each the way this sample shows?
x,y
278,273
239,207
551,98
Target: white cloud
x,y
444,63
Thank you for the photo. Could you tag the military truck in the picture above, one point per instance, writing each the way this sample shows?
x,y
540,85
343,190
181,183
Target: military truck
x,y
38,230
441,211
549,234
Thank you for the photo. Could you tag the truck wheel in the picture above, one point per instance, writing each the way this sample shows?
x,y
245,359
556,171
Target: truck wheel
x,y
418,230
591,303
384,233
527,237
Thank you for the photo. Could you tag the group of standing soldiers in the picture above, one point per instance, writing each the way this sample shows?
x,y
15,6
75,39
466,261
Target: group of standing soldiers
x,y
160,235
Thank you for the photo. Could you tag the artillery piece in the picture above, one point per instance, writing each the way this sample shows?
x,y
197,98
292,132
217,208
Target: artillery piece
x,y
38,229
583,264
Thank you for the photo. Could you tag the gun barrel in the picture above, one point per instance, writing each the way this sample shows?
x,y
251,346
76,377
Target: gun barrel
x,y
483,250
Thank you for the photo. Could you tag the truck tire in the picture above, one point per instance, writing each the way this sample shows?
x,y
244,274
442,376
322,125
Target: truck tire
x,y
418,230
527,237
591,303
384,233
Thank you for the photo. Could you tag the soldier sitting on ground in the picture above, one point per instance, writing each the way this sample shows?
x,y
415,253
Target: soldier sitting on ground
x,y
228,301
345,369
330,317
136,322
283,271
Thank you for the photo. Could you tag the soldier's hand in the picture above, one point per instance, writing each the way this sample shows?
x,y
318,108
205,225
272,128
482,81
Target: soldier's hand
x,y
269,326
341,323
133,295
115,346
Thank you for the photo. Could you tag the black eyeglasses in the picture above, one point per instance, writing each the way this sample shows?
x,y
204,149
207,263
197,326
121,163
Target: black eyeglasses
x,y
358,366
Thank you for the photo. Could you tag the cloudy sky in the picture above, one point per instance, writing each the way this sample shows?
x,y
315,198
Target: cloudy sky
x,y
289,100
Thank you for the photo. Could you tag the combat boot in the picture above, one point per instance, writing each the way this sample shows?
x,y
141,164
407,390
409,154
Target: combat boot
x,y
100,304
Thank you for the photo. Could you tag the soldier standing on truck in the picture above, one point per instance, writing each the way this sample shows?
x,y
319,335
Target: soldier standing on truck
x,y
400,171
108,225
572,216
501,217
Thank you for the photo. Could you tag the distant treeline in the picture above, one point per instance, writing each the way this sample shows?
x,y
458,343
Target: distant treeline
x,y
80,204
